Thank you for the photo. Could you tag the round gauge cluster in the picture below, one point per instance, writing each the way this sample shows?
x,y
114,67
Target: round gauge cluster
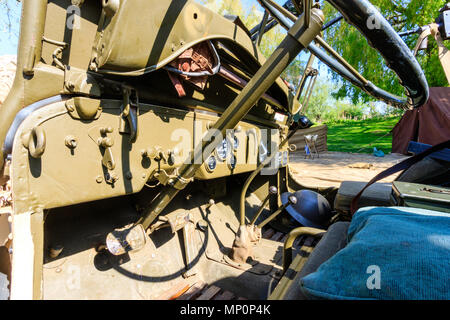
x,y
224,153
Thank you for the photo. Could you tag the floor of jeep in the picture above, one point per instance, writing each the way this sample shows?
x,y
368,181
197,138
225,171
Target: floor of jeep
x,y
85,270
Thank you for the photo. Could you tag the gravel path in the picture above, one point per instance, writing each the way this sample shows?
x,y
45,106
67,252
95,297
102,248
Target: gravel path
x,y
334,167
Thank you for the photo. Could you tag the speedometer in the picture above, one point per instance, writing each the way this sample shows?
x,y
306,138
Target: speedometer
x,y
223,150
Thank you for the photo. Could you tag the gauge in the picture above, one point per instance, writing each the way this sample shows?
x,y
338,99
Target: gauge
x,y
232,162
277,160
211,163
223,150
235,142
285,158
262,152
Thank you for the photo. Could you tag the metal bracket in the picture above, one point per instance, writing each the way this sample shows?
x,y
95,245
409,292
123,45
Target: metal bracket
x,y
81,82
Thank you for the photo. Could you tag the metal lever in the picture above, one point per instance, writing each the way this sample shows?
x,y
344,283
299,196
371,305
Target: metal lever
x,y
189,252
291,200
129,113
272,191
106,143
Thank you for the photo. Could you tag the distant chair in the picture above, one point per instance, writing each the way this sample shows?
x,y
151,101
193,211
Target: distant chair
x,y
310,146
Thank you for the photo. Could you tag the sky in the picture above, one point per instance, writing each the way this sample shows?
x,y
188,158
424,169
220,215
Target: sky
x,y
8,41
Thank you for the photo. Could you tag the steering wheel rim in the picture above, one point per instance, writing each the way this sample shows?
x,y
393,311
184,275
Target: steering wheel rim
x,y
386,41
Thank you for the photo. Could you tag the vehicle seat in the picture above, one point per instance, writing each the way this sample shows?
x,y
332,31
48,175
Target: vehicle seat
x,y
409,245
334,240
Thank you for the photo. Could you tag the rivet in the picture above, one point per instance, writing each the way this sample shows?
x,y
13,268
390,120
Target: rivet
x,y
105,130
99,179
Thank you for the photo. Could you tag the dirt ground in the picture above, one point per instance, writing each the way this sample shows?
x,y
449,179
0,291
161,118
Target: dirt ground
x,y
7,72
334,167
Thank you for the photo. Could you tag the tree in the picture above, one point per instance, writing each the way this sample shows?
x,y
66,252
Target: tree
x,y
402,15
270,40
7,17
320,102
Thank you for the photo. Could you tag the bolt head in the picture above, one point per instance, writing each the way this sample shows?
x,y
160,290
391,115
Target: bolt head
x,y
273,190
292,200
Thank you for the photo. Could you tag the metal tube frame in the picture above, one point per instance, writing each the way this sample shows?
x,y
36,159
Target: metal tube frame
x,y
298,38
293,235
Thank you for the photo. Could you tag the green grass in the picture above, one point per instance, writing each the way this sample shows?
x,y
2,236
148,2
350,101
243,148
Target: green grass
x,y
353,135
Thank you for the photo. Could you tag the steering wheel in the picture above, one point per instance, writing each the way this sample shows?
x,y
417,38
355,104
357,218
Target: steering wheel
x,y
381,36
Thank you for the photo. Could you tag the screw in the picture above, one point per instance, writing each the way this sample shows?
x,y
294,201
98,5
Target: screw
x,y
129,175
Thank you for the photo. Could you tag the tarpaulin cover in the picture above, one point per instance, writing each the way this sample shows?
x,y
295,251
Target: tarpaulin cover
x,y
429,124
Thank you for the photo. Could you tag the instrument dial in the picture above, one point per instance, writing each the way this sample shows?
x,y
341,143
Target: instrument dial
x,y
211,163
223,150
235,142
232,162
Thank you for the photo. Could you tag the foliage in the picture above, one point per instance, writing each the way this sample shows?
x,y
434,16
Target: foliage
x,y
361,136
323,107
251,18
403,15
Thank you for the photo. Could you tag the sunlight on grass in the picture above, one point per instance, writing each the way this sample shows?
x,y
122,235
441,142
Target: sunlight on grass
x,y
352,136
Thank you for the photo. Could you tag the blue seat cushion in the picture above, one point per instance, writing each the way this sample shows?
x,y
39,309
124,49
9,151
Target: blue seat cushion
x,y
392,253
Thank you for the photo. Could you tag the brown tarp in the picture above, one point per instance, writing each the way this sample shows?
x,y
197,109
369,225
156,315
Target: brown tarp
x,y
428,124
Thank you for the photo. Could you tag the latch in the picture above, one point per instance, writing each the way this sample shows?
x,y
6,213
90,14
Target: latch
x,y
174,180
106,143
129,115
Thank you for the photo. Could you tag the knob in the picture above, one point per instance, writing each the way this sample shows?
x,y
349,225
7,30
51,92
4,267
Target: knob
x,y
292,200
273,190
